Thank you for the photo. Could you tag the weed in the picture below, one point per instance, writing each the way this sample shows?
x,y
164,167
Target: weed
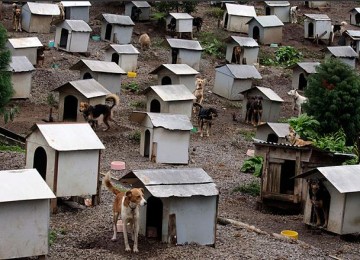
x,y
212,44
52,237
252,188
11,148
247,134
132,87
135,136
138,104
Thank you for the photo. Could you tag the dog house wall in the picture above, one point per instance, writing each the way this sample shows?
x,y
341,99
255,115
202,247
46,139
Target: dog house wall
x,y
321,26
189,52
128,56
21,73
280,130
24,215
279,8
144,6
346,54
184,22
352,38
26,46
122,28
270,29
250,49
236,17
355,13
77,10
305,68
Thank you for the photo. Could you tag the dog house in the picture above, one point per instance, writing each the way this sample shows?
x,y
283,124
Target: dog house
x,y
26,46
352,39
355,16
344,53
301,72
249,50
21,71
343,186
180,22
231,79
271,103
279,8
173,99
272,132
67,156
107,73
185,52
182,204
116,28
72,36
165,138
24,213
316,4
174,74
138,10
37,17
125,55
266,29
76,10
74,92
317,26
236,17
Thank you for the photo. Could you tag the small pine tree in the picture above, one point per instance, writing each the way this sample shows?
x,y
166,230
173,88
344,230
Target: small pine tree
x,y
334,98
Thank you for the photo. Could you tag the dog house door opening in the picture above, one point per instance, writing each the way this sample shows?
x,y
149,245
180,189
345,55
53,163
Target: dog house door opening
x,y
64,38
267,11
155,106
226,20
302,82
256,33
311,30
70,108
40,161
87,75
147,144
115,58
154,215
287,184
108,32
272,138
357,18
166,80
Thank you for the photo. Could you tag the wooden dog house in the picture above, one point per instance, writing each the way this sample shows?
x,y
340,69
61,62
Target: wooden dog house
x,y
301,72
116,28
266,29
143,8
165,138
21,72
182,204
124,55
67,156
344,53
183,23
249,50
77,10
26,46
272,132
317,26
24,213
236,17
279,8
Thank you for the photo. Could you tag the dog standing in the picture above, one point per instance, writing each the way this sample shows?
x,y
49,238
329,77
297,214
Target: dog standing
x,y
205,117
237,54
254,110
17,17
40,56
144,41
127,205
293,13
320,200
298,100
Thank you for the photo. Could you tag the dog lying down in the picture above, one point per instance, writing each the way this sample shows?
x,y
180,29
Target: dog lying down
x,y
294,139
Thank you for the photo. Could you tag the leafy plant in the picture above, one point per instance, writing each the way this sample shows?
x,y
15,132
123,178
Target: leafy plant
x,y
287,56
305,126
253,165
52,237
212,45
252,188
132,87
333,142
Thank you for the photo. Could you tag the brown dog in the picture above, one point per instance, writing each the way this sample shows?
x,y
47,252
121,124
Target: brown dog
x,y
320,199
199,90
17,17
144,41
237,54
295,140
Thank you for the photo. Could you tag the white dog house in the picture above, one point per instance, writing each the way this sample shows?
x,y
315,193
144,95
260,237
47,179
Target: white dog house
x,y
182,204
344,53
24,213
21,71
279,8
272,132
173,74
76,10
266,29
138,10
36,17
355,16
236,17
352,39
185,52
317,26
67,156
271,103
72,36
231,79
173,99
316,4
27,46
165,138
125,55
116,28
107,73
343,185
249,50
301,72
183,23
74,92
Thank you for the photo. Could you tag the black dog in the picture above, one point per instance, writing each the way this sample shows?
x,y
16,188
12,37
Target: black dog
x,y
320,200
198,21
172,25
254,110
205,117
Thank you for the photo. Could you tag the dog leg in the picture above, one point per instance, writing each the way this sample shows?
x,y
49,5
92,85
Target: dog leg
x,y
136,236
326,217
106,119
201,128
126,241
115,219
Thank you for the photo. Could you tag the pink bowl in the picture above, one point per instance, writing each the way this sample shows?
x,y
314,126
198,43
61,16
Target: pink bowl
x,y
117,165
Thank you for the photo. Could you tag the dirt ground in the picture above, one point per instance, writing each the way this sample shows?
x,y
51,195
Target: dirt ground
x,y
85,234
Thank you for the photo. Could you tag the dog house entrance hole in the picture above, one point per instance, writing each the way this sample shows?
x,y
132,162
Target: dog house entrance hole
x,y
147,144
155,106
311,30
87,75
154,215
64,38
267,10
40,161
108,32
115,58
256,33
302,82
166,80
70,108
357,18
272,138
226,20
287,184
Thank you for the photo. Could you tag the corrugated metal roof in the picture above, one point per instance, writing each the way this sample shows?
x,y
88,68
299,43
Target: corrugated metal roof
x,y
277,3
280,129
124,48
78,25
26,42
355,34
20,64
88,87
43,8
268,92
171,92
70,136
342,51
243,41
164,120
24,184
309,67
118,19
240,10
99,66
75,3
267,21
240,71
318,16
181,16
178,69
184,44
141,4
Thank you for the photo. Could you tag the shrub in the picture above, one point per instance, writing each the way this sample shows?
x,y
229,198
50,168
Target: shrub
x,y
287,56
132,87
253,165
212,44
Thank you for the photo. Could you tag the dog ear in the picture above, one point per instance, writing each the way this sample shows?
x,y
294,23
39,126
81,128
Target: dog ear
x,y
142,190
128,193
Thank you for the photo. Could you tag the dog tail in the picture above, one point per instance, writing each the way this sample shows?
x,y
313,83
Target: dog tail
x,y
107,183
115,98
197,105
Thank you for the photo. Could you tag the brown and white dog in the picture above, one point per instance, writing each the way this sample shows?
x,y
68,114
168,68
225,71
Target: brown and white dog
x,y
293,138
127,205
17,17
320,200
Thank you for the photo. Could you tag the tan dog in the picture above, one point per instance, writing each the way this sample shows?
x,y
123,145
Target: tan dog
x,y
237,54
17,17
144,41
199,90
295,140
127,205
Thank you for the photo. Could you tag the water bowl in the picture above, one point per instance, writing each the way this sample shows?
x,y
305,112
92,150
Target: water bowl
x,y
51,44
95,38
290,233
117,165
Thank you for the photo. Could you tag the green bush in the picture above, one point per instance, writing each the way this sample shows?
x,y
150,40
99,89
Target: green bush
x,y
253,188
253,165
287,56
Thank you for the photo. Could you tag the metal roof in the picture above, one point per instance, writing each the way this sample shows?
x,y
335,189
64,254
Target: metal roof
x,y
70,136
180,182
88,87
75,3
280,129
356,9
243,41
342,51
141,4
124,48
267,21
26,42
184,44
178,69
354,34
99,66
318,17
268,92
309,67
78,25
181,16
240,10
118,19
240,71
20,64
43,8
164,120
24,184
277,3
172,92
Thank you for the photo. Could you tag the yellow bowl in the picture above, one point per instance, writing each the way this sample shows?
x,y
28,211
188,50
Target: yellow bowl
x,y
290,233
131,74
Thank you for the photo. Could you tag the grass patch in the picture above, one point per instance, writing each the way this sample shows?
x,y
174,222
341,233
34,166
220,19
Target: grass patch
x,y
11,148
247,134
252,188
132,87
213,44
138,104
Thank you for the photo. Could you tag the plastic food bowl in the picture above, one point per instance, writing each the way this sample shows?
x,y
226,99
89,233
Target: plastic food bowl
x,y
131,74
95,38
290,233
117,165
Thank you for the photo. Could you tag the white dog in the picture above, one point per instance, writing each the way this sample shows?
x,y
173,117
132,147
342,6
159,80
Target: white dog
x,y
298,99
293,13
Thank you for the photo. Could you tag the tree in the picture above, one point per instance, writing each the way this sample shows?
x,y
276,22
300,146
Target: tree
x,y
334,98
